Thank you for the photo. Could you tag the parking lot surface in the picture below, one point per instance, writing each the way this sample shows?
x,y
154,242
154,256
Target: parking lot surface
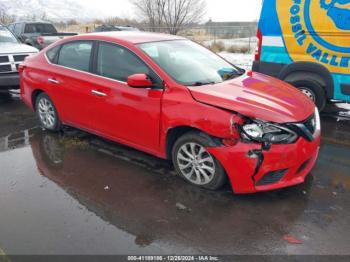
x,y
74,193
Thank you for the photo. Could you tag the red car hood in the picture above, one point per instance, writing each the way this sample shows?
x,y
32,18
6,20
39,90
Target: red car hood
x,y
257,96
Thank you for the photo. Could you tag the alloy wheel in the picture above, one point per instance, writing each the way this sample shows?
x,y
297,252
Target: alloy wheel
x,y
47,113
196,164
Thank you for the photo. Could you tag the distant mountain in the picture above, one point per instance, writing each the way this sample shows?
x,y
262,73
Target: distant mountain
x,y
57,10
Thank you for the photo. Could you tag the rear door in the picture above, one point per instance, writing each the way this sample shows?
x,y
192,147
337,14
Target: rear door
x,y
127,114
70,83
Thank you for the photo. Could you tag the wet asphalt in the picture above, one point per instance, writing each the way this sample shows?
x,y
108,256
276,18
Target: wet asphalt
x,y
74,193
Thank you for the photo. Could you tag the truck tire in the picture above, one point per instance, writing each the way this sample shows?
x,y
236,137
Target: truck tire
x,y
313,90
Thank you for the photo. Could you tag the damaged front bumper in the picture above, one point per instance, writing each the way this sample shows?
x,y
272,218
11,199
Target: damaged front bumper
x,y
251,169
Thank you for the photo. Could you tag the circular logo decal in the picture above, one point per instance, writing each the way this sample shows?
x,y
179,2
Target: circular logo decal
x,y
317,31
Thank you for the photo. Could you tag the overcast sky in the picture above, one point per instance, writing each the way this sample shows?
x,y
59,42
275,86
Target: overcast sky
x,y
218,10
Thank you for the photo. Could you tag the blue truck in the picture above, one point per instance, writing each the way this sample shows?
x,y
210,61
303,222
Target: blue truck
x,y
307,43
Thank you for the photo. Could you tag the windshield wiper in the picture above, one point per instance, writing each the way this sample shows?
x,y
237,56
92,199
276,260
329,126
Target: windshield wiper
x,y
198,83
234,75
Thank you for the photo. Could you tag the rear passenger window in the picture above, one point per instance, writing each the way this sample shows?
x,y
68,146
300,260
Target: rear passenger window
x,y
76,55
52,54
118,63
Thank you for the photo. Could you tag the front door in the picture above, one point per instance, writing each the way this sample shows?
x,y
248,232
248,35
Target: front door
x,y
127,114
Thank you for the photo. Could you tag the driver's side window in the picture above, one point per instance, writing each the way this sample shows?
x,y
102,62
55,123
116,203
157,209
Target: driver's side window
x,y
118,63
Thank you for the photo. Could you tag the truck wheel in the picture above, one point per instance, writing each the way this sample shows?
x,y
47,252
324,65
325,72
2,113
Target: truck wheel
x,y
47,113
314,91
195,164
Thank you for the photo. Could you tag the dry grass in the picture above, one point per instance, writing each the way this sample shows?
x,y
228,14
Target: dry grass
x,y
238,49
217,47
80,28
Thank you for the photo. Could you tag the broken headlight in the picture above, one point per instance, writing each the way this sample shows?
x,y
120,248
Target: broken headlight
x,y
264,132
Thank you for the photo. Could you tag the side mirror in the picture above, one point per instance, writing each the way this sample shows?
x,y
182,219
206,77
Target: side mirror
x,y
139,81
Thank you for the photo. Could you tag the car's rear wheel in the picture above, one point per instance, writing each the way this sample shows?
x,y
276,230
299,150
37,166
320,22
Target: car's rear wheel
x,y
195,164
47,113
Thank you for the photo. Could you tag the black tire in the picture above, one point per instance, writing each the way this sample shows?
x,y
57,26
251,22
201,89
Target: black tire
x,y
218,178
56,123
315,89
5,95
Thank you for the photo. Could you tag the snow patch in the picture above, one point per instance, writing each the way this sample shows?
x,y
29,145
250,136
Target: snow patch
x,y
244,61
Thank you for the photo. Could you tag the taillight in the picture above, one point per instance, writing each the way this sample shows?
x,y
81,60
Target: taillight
x,y
40,40
259,46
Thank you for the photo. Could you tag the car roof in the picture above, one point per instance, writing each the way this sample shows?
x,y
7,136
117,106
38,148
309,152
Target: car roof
x,y
133,37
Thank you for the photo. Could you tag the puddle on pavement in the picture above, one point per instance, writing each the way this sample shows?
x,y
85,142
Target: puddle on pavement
x,y
73,193
77,193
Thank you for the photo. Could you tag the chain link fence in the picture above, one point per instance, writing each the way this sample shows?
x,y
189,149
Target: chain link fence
x,y
235,43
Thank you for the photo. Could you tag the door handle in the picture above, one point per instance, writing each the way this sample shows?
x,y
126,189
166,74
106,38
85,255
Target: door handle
x,y
53,81
98,93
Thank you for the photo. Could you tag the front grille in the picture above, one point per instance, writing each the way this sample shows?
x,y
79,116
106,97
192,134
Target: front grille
x,y
19,58
4,59
10,63
272,177
5,68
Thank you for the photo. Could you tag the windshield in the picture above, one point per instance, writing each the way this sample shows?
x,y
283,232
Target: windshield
x,y
189,63
40,28
6,36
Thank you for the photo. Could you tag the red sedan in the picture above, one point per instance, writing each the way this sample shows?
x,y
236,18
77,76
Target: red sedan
x,y
175,99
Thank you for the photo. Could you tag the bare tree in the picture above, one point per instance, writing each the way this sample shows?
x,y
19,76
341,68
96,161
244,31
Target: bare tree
x,y
182,13
174,15
152,12
44,17
72,22
118,21
6,18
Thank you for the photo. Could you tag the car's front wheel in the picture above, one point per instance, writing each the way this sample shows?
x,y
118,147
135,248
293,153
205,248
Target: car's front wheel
x,y
195,164
47,113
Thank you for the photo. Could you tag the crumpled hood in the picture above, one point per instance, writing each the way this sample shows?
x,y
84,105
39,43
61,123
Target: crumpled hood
x,y
259,97
14,48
